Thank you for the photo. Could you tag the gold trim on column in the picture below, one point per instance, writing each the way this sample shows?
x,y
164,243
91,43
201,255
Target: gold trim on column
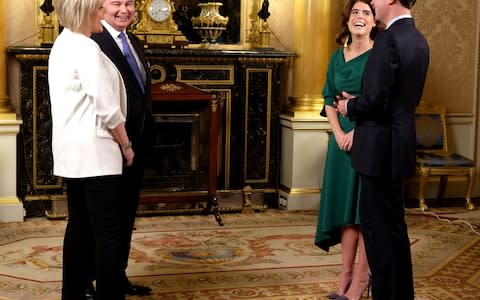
x,y
9,200
305,107
6,112
299,191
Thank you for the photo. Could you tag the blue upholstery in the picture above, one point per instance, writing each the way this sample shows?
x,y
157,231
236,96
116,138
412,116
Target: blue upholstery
x,y
442,159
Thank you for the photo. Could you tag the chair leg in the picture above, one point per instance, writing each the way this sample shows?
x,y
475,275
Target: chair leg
x,y
442,186
468,200
422,180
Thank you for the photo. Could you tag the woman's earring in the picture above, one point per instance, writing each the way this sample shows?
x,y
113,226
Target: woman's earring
x,y
345,45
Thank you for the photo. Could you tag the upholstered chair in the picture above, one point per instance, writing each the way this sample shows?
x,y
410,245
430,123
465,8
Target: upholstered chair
x,y
434,161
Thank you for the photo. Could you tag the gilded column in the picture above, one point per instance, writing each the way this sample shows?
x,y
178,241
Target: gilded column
x,y
11,209
316,24
304,132
5,110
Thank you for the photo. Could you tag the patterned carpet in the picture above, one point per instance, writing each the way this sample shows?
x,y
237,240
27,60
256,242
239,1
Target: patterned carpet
x,y
268,255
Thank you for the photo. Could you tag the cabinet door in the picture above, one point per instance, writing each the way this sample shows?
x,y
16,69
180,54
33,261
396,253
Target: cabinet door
x,y
35,161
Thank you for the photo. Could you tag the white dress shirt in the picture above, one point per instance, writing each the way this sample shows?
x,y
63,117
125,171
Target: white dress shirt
x,y
116,36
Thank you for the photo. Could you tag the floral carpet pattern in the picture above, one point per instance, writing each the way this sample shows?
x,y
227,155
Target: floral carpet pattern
x,y
268,255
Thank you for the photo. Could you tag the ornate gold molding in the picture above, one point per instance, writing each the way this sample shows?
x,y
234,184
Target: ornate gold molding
x,y
161,70
262,60
32,57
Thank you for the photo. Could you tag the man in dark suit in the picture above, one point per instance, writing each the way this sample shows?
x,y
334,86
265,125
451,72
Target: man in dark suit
x,y
384,143
121,46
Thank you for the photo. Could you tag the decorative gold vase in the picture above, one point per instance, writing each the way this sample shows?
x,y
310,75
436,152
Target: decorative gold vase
x,y
210,24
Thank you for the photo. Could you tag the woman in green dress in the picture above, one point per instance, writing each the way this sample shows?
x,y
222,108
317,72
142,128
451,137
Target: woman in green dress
x,y
338,218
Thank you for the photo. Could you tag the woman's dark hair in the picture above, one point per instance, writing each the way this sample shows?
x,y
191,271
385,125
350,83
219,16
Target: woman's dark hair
x,y
347,10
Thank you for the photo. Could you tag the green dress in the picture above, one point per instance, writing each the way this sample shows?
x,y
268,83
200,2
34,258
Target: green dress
x,y
340,189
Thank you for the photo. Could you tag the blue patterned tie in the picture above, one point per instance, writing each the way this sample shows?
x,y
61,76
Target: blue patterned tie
x,y
131,60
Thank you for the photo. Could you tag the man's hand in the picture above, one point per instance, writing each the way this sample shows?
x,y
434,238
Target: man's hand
x,y
342,101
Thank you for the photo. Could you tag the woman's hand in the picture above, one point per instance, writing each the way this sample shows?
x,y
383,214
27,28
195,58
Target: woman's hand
x,y
340,138
347,146
344,140
128,154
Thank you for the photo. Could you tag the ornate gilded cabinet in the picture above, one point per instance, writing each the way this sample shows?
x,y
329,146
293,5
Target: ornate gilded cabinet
x,y
247,81
35,165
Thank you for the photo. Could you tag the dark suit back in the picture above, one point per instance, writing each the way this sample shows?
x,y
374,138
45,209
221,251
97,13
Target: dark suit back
x,y
384,140
139,128
138,102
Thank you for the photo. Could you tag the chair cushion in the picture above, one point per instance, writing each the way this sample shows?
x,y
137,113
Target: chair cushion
x,y
442,159
429,131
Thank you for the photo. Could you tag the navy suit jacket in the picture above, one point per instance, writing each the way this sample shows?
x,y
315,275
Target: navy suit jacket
x,y
139,118
384,141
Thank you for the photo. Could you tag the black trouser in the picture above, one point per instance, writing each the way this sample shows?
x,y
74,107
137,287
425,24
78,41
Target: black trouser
x,y
94,225
131,182
382,215
130,191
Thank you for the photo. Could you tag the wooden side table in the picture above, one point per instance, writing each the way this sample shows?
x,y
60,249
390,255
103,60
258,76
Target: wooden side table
x,y
179,93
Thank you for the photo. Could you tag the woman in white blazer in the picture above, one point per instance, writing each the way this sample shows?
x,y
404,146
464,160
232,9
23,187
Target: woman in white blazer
x,y
89,144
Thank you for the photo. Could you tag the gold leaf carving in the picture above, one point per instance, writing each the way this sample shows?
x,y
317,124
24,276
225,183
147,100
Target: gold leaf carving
x,y
170,87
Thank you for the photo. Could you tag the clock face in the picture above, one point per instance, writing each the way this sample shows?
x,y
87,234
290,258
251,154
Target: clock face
x,y
159,10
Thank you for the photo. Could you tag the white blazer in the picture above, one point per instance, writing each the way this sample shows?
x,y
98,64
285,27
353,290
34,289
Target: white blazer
x,y
88,98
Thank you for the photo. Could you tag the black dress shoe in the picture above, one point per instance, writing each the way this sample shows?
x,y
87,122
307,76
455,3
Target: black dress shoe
x,y
135,289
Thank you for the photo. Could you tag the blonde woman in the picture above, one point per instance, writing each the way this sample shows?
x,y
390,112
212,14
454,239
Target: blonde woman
x,y
90,145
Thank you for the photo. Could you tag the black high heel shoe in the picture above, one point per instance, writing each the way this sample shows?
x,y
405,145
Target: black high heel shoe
x,y
361,295
334,295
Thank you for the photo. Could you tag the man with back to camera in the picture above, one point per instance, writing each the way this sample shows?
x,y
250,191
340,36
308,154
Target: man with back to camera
x,y
384,143
126,52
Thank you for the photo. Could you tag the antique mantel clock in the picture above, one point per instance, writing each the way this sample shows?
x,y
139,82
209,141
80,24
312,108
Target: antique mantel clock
x,y
155,26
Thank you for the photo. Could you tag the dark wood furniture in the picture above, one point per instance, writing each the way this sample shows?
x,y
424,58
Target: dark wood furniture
x,y
248,84
182,94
